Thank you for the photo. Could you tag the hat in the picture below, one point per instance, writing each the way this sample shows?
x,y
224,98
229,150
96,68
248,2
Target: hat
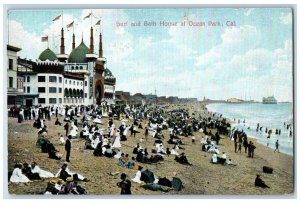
x,y
53,182
69,179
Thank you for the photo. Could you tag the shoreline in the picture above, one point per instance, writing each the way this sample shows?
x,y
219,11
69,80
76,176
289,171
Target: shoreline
x,y
256,139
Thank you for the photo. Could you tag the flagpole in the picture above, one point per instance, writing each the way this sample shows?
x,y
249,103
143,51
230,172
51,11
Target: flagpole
x,y
62,18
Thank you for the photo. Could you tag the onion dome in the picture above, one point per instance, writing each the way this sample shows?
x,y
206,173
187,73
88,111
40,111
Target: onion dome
x,y
78,55
109,78
47,54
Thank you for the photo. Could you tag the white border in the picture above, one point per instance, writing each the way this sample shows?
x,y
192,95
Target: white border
x,y
162,3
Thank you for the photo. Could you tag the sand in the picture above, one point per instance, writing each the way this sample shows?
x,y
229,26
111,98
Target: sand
x,y
202,178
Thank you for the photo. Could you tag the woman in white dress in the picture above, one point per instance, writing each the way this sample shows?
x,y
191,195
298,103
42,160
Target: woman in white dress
x,y
17,176
73,131
43,174
117,143
138,175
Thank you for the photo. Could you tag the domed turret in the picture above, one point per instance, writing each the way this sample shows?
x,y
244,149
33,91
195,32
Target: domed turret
x,y
109,78
47,54
78,55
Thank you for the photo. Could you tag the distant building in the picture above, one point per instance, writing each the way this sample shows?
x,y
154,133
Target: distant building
x,y
234,100
12,79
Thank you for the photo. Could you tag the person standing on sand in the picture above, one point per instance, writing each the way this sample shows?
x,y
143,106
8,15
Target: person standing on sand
x,y
146,133
125,185
66,126
68,148
245,143
251,148
277,146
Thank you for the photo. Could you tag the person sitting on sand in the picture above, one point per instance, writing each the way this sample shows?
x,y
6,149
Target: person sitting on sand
x,y
229,163
131,163
51,189
98,150
122,161
17,175
182,159
214,158
137,148
138,176
57,122
64,173
42,173
260,183
52,152
61,139
27,171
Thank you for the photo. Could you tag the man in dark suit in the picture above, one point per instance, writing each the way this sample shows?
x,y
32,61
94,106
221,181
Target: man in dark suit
x,y
66,126
68,148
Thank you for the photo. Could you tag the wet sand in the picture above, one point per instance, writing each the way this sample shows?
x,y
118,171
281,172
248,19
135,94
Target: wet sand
x,y
202,178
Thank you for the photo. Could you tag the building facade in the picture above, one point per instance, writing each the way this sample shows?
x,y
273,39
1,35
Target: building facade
x,y
80,78
12,80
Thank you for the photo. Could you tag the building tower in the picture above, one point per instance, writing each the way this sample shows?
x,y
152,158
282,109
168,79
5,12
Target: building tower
x,y
73,43
91,42
100,47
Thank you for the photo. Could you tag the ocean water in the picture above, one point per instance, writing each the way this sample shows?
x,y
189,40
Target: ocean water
x,y
271,116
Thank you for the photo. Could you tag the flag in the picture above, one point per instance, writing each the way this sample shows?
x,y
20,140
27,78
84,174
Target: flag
x,y
56,18
45,39
87,16
98,23
70,25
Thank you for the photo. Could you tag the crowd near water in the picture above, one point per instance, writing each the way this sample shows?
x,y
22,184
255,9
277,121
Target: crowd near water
x,y
266,122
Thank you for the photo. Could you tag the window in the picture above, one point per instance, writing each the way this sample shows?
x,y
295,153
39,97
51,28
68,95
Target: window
x,y
41,89
72,67
10,64
11,82
19,82
24,90
69,82
76,67
77,83
60,100
81,83
85,95
59,90
52,89
28,78
60,79
52,100
81,67
28,89
73,82
85,83
52,78
41,100
41,79
66,81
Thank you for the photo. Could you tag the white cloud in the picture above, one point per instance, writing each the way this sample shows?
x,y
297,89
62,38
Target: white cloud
x,y
234,40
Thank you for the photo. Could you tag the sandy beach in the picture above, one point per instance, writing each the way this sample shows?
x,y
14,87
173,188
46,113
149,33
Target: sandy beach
x,y
202,178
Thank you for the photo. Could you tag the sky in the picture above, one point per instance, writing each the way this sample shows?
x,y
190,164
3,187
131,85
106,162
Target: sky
x,y
249,60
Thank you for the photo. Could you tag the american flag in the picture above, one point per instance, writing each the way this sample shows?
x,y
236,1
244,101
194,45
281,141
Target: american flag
x,y
45,39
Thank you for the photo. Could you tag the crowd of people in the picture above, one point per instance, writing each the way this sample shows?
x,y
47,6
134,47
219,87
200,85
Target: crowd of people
x,y
124,122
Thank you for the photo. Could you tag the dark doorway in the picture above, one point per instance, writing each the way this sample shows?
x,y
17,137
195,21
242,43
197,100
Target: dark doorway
x,y
29,102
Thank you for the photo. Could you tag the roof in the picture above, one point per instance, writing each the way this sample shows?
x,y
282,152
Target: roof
x,y
47,54
12,48
78,55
